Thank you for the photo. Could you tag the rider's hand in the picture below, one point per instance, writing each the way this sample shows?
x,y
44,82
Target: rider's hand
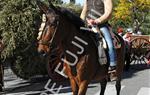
x,y
97,21
90,22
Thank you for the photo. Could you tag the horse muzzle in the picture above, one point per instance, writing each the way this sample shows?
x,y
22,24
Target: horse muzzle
x,y
42,52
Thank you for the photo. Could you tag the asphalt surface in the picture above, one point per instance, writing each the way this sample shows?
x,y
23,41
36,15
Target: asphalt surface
x,y
135,82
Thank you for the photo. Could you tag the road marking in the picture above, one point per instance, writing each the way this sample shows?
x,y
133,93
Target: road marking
x,y
70,93
144,91
110,90
38,92
25,93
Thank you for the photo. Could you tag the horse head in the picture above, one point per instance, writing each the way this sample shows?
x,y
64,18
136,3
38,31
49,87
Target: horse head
x,y
50,27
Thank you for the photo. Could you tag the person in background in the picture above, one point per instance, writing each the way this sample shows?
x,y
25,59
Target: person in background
x,y
120,31
139,32
128,34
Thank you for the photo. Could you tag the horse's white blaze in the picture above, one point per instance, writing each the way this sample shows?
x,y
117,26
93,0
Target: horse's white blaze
x,y
40,30
39,35
42,26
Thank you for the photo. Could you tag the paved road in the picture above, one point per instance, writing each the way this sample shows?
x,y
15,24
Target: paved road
x,y
135,82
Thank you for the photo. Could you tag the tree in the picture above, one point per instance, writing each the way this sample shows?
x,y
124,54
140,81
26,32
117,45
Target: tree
x,y
132,12
57,1
140,10
122,15
146,26
75,8
19,21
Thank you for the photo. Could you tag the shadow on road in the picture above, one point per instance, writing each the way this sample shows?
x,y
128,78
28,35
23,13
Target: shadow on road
x,y
17,86
134,68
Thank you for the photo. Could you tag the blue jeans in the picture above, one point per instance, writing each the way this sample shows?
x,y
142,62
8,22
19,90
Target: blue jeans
x,y
111,51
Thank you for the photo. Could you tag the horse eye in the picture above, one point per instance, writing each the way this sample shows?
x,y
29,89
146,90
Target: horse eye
x,y
57,17
52,20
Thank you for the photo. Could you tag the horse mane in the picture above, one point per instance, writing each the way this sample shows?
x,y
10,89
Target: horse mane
x,y
75,20
72,17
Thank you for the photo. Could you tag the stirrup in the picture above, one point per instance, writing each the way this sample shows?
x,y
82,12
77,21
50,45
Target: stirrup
x,y
112,68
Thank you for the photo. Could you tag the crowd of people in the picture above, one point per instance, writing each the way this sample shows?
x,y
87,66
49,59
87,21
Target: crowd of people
x,y
127,35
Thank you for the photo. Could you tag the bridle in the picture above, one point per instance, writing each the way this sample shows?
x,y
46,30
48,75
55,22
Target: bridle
x,y
51,42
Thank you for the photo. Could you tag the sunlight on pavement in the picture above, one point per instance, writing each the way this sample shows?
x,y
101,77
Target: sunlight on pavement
x,y
110,90
144,91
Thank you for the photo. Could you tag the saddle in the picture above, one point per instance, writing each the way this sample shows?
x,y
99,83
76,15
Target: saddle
x,y
116,41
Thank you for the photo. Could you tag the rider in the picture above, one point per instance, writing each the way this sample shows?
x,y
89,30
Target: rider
x,y
98,12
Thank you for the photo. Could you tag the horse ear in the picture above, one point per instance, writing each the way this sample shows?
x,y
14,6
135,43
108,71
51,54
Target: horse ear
x,y
50,3
43,7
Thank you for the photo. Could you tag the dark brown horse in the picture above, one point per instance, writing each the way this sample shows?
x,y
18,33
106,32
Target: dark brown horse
x,y
78,50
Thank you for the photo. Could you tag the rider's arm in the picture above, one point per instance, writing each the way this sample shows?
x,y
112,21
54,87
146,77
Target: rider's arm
x,y
108,6
84,10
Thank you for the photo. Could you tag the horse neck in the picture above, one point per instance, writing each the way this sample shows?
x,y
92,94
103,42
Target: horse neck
x,y
67,32
70,40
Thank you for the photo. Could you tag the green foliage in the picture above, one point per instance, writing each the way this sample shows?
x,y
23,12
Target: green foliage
x,y
57,1
146,26
131,13
54,1
72,1
19,21
75,8
121,15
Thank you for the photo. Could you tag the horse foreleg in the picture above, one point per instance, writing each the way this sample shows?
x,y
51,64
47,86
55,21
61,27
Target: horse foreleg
x,y
74,87
118,86
83,87
103,84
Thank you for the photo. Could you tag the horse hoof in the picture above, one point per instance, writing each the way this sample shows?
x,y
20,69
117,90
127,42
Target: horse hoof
x,y
113,79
